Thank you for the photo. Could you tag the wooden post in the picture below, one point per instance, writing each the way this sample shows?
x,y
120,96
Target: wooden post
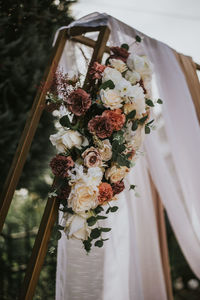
x,y
29,130
51,210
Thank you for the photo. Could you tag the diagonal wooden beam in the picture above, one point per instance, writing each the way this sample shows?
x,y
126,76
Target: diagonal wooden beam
x,y
29,130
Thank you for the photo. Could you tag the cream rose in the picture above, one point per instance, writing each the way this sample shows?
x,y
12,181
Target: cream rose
x,y
66,139
133,76
118,64
111,98
115,174
106,150
82,197
76,226
111,74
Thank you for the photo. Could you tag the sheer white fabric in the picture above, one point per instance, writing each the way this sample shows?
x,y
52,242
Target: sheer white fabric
x,y
129,267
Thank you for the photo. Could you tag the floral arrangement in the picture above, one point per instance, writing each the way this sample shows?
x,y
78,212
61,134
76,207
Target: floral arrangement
x,y
100,132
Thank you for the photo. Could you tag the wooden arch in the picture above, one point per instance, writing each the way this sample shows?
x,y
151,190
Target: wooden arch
x,y
51,210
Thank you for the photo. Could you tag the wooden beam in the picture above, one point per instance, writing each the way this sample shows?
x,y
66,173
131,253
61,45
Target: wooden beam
x,y
88,42
29,130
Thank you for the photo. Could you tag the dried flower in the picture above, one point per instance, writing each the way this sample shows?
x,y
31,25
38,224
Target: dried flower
x,y
61,164
101,126
78,102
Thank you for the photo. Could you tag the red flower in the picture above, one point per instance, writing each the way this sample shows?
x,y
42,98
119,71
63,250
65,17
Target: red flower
x,y
61,164
119,53
116,117
64,192
117,187
78,102
102,126
105,192
96,70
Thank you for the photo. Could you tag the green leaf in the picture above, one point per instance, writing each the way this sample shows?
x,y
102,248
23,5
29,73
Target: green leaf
x,y
91,221
135,125
119,136
95,233
108,210
107,84
131,115
64,121
138,39
59,227
114,208
159,101
147,130
123,161
150,122
58,235
104,229
98,209
132,187
87,245
101,217
125,46
68,209
149,102
99,243
142,120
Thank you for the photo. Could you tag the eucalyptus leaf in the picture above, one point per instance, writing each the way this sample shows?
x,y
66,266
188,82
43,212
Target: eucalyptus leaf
x,y
99,243
147,130
149,102
104,229
95,233
159,101
114,208
101,217
135,125
107,84
125,46
138,39
64,121
58,235
91,221
131,115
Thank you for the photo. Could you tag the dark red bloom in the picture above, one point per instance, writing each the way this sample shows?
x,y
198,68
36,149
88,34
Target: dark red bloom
x,y
78,102
119,53
50,107
96,70
117,187
101,126
64,192
61,164
116,117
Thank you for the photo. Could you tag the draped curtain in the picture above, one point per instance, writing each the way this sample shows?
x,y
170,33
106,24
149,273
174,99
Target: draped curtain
x,y
129,267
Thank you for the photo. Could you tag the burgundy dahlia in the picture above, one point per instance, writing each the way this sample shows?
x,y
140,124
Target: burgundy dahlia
x,y
78,102
101,126
117,187
61,164
119,53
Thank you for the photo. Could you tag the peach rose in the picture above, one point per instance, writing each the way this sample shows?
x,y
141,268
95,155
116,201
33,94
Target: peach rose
x,y
115,174
106,150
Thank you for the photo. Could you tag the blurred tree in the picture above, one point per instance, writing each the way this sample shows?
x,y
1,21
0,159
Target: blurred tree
x,y
26,35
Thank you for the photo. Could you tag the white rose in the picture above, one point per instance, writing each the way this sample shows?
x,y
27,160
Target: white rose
x,y
93,176
83,197
76,226
111,74
139,106
137,92
133,76
118,64
66,139
106,150
141,64
111,98
125,88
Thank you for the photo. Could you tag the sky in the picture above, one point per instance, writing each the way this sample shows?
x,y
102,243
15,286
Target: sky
x,y
174,22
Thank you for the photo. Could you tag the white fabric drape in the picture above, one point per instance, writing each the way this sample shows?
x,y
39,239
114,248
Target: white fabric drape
x,y
129,267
